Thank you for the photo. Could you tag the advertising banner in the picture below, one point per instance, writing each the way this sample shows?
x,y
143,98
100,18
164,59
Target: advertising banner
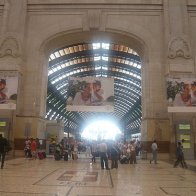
x,y
91,94
8,90
181,92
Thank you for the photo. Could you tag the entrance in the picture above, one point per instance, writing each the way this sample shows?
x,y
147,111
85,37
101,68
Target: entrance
x,y
4,127
184,132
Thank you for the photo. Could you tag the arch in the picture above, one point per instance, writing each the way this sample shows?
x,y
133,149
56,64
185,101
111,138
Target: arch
x,y
68,38
118,37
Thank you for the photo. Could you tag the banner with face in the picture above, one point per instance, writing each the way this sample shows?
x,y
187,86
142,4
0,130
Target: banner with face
x,y
91,94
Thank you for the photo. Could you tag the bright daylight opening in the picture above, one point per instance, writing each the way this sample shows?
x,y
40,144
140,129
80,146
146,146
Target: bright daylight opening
x,y
101,130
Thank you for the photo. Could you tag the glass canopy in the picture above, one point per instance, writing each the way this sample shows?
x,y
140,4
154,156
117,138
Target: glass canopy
x,y
99,60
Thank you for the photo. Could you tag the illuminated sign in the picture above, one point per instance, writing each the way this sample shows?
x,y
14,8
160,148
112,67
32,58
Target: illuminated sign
x,y
186,145
2,124
184,126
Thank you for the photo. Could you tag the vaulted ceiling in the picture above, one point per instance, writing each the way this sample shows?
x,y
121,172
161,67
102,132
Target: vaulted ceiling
x,y
99,60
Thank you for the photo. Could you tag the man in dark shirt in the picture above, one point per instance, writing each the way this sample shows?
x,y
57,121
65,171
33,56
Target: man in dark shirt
x,y
3,144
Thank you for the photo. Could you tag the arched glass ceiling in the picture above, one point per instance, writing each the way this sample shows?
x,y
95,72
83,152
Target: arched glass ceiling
x,y
100,60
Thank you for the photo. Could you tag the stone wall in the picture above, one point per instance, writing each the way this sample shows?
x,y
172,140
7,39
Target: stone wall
x,y
162,32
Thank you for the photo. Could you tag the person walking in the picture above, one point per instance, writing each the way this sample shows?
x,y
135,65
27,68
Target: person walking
x,y
154,148
132,153
103,155
179,155
93,151
3,145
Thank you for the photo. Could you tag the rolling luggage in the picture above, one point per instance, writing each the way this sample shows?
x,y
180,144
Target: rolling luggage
x,y
41,155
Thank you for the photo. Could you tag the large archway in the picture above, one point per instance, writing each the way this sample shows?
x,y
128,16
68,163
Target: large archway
x,y
126,63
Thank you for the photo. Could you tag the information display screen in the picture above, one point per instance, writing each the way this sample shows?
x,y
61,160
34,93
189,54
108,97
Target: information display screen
x,y
2,124
186,145
184,127
187,140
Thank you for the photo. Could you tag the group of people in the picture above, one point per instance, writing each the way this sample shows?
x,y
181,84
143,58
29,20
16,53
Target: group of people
x,y
115,151
124,152
92,94
31,146
66,149
129,151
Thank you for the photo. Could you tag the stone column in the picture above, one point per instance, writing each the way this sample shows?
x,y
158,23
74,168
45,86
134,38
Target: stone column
x,y
176,61
11,51
13,57
179,60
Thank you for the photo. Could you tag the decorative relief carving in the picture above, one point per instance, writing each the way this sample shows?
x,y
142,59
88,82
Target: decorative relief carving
x,y
94,19
179,47
10,47
158,132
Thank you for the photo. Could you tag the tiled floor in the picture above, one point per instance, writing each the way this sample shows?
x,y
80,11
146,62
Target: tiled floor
x,y
23,177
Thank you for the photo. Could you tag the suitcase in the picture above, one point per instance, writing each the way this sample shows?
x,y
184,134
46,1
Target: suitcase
x,y
41,155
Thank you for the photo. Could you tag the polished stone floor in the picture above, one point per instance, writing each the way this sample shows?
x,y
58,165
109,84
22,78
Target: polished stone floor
x,y
23,177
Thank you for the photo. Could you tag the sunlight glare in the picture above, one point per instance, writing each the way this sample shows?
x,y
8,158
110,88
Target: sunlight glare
x,y
101,130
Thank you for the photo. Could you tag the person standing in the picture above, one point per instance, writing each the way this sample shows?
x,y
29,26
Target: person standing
x,y
154,148
183,159
33,148
138,148
103,155
88,150
3,144
27,148
93,151
132,153
114,154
